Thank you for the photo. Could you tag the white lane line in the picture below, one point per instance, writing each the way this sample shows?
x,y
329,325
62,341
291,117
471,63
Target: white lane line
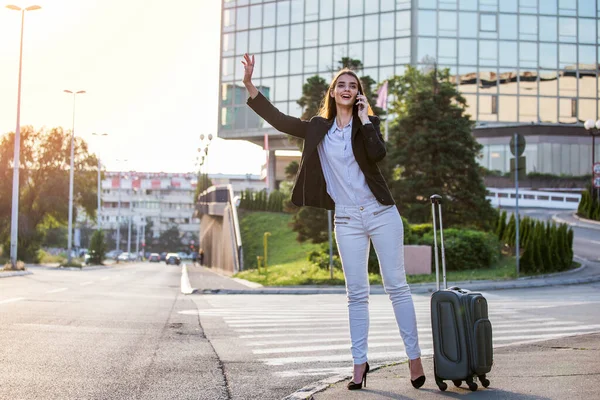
x,y
86,283
57,290
186,287
105,278
12,300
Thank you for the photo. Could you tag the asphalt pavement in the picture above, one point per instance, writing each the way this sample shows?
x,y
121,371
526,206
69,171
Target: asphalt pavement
x,y
565,368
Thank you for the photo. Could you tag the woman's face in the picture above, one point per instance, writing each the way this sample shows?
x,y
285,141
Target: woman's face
x,y
345,90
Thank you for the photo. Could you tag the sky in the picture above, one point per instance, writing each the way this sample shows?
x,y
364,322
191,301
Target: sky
x,y
150,70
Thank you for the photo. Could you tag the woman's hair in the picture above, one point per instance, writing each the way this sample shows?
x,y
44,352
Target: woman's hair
x,y
328,109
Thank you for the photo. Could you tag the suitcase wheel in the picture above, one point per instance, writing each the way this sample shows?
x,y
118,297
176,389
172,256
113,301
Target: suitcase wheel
x,y
456,382
442,385
484,381
472,385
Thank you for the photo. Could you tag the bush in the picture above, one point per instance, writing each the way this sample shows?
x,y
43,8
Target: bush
x,y
97,247
467,248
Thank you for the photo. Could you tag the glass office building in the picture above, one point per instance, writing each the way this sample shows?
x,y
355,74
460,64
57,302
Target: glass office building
x,y
528,66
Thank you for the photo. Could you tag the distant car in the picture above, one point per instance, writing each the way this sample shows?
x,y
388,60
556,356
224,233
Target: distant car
x,y
172,259
125,256
154,257
163,256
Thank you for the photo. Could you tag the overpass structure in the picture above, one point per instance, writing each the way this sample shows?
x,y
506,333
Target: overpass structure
x,y
219,235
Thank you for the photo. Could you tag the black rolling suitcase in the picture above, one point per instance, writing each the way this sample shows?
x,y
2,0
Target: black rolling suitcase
x,y
462,332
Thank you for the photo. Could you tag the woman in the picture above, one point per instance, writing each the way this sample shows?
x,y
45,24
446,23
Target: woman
x,y
338,170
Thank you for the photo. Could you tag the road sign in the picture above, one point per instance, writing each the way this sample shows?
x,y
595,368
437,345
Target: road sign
x,y
597,182
596,168
520,145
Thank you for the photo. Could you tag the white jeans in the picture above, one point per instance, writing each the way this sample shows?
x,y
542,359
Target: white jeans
x,y
354,226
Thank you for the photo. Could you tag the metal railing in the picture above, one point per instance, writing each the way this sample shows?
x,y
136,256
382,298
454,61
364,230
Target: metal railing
x,y
533,198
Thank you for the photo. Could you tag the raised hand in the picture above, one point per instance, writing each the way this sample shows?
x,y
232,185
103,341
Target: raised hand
x,y
248,62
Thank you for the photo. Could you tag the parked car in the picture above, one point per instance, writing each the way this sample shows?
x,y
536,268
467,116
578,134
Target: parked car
x,y
173,259
125,256
154,257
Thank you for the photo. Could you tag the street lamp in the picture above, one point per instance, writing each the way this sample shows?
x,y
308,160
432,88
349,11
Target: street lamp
x,y
119,209
99,181
14,220
71,178
593,128
205,156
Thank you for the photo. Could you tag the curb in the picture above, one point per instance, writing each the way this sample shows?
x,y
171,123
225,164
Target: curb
x,y
475,286
7,274
577,224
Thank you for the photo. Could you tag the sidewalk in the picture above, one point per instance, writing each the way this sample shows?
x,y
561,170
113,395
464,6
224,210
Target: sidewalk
x,y
564,369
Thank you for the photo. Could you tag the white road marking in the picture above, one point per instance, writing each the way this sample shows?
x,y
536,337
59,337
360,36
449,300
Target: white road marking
x,y
105,278
86,283
12,300
57,290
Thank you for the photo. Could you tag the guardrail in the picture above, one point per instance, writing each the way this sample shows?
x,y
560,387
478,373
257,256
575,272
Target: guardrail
x,y
533,199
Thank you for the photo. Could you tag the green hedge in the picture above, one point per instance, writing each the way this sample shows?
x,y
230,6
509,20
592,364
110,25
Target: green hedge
x,y
466,248
589,206
543,246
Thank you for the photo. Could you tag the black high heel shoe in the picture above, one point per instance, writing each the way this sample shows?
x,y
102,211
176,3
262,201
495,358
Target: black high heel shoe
x,y
420,381
356,386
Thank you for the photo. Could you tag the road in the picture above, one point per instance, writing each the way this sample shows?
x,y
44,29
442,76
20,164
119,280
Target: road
x,y
127,332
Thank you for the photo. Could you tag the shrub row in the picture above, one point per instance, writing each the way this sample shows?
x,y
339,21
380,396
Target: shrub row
x,y
589,206
262,201
544,246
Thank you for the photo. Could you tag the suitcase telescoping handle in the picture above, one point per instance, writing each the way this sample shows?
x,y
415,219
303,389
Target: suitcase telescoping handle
x,y
437,199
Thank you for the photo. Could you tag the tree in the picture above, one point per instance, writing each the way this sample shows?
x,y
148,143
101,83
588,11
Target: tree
x,y
311,224
204,183
432,150
170,240
44,184
149,238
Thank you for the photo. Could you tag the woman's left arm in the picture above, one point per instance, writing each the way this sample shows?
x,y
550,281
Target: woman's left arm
x,y
374,143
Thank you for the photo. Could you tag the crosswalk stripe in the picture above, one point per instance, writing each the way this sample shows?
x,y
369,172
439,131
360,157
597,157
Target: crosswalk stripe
x,y
393,334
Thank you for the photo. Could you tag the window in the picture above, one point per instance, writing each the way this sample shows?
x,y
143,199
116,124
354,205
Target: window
x,y
548,29
242,18
467,25
528,27
495,104
488,22
573,107
283,12
447,23
403,23
427,23
567,31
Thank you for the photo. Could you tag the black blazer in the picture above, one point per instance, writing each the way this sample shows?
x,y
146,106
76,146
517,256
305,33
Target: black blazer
x,y
310,188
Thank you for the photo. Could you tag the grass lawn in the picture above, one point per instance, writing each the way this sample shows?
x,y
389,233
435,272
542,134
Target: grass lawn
x,y
288,264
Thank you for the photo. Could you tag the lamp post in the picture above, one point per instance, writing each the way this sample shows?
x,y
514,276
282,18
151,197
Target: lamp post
x,y
119,210
593,128
205,156
14,220
99,181
71,177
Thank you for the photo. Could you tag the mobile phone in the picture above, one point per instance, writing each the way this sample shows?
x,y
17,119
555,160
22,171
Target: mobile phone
x,y
356,103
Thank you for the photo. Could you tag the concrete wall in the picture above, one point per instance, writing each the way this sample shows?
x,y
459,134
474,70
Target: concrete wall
x,y
216,241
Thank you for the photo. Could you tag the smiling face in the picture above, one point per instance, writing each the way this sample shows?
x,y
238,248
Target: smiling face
x,y
345,90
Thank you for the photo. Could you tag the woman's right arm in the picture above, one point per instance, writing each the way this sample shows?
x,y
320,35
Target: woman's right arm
x,y
261,105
